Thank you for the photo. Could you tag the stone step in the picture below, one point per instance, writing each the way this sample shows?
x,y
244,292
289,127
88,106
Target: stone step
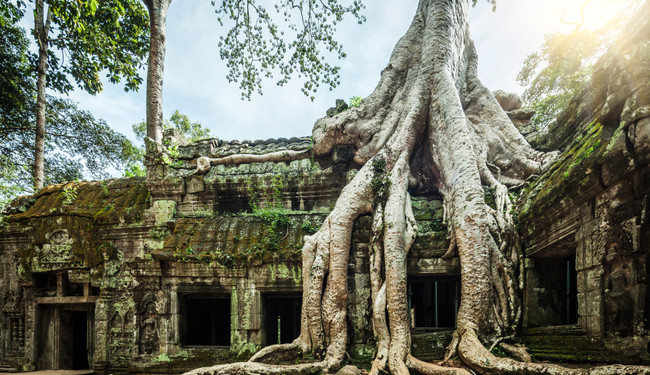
x,y
564,344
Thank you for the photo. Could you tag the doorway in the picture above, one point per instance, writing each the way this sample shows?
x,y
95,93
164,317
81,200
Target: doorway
x,y
65,340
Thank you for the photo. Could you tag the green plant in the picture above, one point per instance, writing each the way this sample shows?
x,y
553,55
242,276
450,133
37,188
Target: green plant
x,y
380,183
171,155
162,357
105,188
69,194
355,101
253,193
308,228
277,186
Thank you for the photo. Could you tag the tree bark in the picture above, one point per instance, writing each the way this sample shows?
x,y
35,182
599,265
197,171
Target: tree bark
x,y
430,125
155,69
42,27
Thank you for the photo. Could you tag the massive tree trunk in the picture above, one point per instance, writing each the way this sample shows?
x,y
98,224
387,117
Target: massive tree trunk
x,y
42,28
429,124
155,68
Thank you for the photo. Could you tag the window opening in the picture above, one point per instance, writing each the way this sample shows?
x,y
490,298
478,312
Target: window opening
x,y
207,321
282,318
433,301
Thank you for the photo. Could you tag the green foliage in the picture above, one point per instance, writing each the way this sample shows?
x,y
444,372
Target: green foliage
x,y
16,73
255,47
276,226
308,227
492,2
134,170
557,73
68,156
191,131
253,194
355,101
162,357
95,37
69,194
560,70
99,37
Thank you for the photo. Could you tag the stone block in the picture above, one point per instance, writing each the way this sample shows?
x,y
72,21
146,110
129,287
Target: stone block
x,y
194,184
594,326
163,211
582,280
642,141
595,304
594,279
255,322
613,196
582,304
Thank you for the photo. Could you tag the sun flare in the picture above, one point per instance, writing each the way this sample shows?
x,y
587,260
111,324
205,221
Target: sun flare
x,y
590,14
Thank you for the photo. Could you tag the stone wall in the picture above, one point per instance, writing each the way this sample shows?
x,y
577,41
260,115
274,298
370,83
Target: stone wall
x,y
592,206
136,256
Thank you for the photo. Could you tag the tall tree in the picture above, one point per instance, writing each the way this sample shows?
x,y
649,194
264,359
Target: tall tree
x,y
430,125
95,36
68,156
255,47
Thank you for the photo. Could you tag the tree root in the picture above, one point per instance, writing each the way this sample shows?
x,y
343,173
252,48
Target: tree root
x,y
203,163
475,355
277,353
245,368
518,352
426,368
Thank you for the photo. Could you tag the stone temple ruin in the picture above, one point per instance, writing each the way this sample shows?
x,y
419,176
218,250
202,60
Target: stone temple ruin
x,y
183,269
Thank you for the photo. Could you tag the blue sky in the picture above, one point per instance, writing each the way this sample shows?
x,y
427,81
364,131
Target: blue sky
x,y
195,80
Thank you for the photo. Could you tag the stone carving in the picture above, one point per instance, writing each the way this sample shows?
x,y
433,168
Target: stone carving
x,y
57,251
149,329
619,300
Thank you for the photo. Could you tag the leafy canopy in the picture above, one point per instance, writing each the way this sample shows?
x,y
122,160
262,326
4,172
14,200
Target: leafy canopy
x,y
94,37
560,70
16,73
77,146
256,47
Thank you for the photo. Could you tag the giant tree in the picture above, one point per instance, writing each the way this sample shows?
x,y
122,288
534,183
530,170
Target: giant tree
x,y
94,36
429,124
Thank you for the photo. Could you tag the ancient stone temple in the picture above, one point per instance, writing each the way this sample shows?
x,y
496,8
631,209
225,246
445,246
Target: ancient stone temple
x,y
195,266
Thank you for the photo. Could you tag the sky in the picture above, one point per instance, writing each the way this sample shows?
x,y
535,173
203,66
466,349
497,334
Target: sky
x,y
195,83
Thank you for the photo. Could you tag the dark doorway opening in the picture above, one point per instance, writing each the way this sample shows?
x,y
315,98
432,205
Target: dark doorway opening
x,y
570,311
281,318
65,337
558,278
79,340
433,302
207,321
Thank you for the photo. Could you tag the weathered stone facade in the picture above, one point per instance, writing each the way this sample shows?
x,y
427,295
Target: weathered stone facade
x,y
585,221
136,259
185,269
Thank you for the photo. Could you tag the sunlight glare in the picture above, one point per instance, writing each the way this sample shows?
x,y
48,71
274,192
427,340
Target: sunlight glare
x,y
596,13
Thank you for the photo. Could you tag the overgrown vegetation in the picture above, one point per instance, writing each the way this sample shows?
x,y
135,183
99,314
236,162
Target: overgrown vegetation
x,y
560,70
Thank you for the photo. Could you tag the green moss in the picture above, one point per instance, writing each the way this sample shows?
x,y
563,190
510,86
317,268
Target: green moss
x,y
571,175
